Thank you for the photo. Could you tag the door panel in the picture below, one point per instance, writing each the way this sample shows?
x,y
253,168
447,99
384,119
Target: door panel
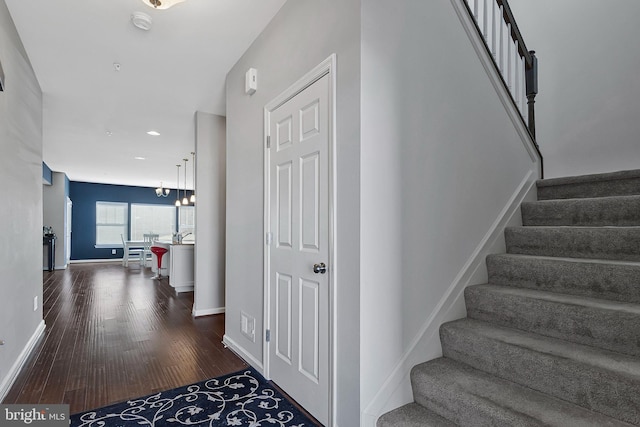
x,y
299,218
309,329
310,216
283,318
284,202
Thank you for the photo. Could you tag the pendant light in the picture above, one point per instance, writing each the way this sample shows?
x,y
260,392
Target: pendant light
x,y
178,186
193,194
185,201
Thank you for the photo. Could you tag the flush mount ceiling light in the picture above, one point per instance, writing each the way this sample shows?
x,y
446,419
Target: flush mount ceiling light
x,y
142,21
161,4
153,133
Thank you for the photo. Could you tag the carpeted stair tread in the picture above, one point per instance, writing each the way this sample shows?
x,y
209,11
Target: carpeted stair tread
x,y
412,415
593,378
620,243
470,397
610,325
601,211
605,279
621,183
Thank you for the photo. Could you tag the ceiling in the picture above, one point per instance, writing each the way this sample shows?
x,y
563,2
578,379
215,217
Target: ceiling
x,y
95,117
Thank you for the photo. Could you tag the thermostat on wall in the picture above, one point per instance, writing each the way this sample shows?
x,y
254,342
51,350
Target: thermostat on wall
x,y
251,81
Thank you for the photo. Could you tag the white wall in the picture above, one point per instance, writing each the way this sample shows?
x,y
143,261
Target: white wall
x,y
587,108
210,214
301,36
442,171
20,171
54,200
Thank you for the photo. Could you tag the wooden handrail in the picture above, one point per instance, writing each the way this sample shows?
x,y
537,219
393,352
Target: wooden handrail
x,y
521,83
507,15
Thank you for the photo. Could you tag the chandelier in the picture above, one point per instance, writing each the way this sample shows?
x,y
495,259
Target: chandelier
x,y
162,192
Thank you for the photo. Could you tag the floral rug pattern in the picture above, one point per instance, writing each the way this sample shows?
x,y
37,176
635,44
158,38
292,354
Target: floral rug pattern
x,y
240,399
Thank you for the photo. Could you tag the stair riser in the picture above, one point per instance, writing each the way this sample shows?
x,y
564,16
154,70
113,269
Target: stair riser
x,y
593,388
613,330
608,211
616,187
614,282
461,408
469,397
594,243
412,415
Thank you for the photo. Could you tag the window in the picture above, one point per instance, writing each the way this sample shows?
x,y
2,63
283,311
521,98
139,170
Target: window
x,y
111,223
158,219
187,221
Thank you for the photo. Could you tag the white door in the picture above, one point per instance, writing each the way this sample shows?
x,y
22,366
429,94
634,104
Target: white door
x,y
299,226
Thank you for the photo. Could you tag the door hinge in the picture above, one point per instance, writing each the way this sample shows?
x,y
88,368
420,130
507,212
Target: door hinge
x,y
268,238
267,335
268,141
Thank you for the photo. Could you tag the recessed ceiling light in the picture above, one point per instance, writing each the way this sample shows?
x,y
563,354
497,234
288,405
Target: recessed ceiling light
x,y
140,158
153,133
141,20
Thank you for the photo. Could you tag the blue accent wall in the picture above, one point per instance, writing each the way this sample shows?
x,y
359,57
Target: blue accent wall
x,y
84,196
47,175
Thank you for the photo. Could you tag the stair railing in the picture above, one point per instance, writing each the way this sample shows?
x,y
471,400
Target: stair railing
x,y
517,65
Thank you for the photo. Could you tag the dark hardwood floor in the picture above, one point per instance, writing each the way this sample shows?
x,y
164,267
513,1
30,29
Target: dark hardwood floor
x,y
112,334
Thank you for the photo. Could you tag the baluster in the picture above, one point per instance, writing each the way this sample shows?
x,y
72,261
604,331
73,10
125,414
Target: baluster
x,y
480,16
509,67
523,89
490,38
495,32
532,91
485,27
473,5
515,91
502,47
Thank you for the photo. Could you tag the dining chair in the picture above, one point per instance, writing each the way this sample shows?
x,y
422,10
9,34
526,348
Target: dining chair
x,y
128,251
149,238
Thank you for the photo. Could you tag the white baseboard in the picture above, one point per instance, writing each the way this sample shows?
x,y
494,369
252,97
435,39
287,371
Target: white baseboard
x,y
88,261
243,354
183,289
396,390
207,312
11,376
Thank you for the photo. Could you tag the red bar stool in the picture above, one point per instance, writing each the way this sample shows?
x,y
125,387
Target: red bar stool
x,y
158,251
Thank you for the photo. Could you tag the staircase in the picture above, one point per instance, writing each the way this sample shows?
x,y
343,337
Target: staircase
x,y
554,338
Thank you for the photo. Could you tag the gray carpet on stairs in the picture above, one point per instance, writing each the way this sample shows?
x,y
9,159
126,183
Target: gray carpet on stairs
x,y
608,280
604,211
553,339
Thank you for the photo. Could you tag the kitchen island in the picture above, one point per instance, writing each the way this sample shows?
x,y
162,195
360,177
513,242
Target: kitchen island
x,y
178,264
181,274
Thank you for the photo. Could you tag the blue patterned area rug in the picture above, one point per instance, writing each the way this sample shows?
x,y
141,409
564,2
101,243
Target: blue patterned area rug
x,y
244,398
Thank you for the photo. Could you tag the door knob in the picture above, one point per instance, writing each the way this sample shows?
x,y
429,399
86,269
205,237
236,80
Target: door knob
x,y
319,268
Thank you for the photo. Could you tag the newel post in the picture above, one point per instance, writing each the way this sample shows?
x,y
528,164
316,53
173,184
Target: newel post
x,y
532,91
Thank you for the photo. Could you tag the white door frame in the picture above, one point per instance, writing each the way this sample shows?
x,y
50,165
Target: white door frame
x,y
327,67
